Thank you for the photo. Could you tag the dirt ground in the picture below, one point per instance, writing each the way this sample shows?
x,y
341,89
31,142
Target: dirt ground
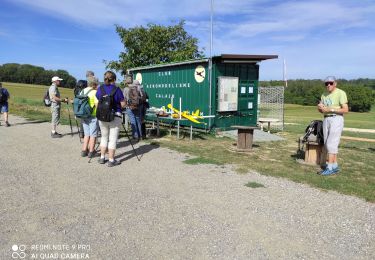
x,y
56,205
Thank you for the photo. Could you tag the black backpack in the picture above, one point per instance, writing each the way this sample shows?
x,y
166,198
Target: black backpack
x,y
314,132
46,99
3,97
105,111
81,85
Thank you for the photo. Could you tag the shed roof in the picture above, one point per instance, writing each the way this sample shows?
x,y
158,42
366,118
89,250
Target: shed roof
x,y
226,58
244,58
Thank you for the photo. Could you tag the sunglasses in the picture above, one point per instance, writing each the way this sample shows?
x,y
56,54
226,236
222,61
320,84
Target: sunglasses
x,y
329,83
108,79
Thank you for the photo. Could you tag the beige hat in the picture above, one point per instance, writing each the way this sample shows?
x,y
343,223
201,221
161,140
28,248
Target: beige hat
x,y
56,78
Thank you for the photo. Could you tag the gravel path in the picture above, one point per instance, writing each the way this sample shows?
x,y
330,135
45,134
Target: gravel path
x,y
160,208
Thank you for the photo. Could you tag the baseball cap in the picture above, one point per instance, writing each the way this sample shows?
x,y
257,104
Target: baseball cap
x,y
55,78
330,79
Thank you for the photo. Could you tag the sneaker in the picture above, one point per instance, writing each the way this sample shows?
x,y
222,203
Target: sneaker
x,y
327,171
114,163
7,124
56,135
91,154
101,160
83,153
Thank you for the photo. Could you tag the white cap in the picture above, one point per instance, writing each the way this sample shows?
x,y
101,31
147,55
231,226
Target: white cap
x,y
56,78
330,79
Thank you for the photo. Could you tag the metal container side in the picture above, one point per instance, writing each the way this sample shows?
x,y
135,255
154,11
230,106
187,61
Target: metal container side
x,y
190,82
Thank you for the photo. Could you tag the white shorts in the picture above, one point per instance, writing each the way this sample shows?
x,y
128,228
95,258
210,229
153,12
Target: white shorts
x,y
110,131
332,129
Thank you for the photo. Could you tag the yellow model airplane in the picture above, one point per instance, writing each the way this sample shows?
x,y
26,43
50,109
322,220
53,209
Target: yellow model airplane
x,y
196,114
186,115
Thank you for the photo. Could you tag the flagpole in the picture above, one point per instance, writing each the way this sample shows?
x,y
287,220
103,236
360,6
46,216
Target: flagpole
x,y
284,72
210,60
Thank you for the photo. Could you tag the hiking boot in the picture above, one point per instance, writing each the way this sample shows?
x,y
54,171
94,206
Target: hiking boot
x,y
114,163
56,135
328,171
7,124
101,160
91,154
83,153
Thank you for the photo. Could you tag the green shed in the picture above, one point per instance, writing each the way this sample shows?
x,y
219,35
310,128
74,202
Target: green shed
x,y
231,98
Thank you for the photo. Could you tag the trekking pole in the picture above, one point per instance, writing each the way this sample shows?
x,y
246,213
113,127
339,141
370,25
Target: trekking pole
x,y
126,133
79,131
70,120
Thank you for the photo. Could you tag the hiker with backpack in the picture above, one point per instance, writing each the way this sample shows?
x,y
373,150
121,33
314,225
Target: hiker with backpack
x,y
4,106
110,104
85,105
143,109
54,96
333,104
133,108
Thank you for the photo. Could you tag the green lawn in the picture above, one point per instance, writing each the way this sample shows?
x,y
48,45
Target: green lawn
x,y
278,159
27,101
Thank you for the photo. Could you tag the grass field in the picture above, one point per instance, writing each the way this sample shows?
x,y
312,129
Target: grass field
x,y
278,159
27,101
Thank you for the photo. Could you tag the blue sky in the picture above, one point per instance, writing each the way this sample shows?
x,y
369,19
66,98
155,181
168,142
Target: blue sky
x,y
316,38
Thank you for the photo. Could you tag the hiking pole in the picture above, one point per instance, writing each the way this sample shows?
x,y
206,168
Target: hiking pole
x,y
70,120
95,148
79,131
126,133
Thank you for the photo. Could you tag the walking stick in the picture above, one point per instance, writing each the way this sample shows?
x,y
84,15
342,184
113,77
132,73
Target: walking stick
x,y
70,120
79,131
126,133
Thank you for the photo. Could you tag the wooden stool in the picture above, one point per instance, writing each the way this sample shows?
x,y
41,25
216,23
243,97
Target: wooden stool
x,y
244,137
315,153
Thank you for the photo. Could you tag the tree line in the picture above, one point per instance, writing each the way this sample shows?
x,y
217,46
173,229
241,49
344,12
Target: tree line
x,y
360,92
30,74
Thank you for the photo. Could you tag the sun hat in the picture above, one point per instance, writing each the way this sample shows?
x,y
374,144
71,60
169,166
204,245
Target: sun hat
x,y
56,78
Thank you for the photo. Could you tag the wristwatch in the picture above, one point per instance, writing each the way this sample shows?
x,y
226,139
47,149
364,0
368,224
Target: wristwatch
x,y
332,110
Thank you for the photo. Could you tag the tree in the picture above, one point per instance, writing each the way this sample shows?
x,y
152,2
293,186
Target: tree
x,y
30,74
361,95
154,44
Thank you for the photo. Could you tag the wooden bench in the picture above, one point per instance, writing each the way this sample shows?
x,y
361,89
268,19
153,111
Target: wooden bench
x,y
245,136
268,121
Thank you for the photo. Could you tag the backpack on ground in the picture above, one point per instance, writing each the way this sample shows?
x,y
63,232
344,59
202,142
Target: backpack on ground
x,y
81,105
46,99
314,132
3,97
105,111
134,97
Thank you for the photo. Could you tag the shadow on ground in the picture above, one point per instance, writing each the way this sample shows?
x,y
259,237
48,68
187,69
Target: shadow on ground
x,y
138,150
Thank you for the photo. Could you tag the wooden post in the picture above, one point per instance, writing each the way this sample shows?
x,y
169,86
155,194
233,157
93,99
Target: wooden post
x,y
315,153
245,136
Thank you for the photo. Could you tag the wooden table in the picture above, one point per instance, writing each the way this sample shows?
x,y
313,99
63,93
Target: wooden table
x,y
245,137
268,121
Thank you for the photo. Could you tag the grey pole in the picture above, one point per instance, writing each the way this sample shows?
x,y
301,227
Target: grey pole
x,y
210,61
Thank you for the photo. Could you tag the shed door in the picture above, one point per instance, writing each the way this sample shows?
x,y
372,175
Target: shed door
x,y
247,96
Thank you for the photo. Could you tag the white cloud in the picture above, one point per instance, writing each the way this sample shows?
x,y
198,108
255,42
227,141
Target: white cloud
x,y
301,16
304,32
